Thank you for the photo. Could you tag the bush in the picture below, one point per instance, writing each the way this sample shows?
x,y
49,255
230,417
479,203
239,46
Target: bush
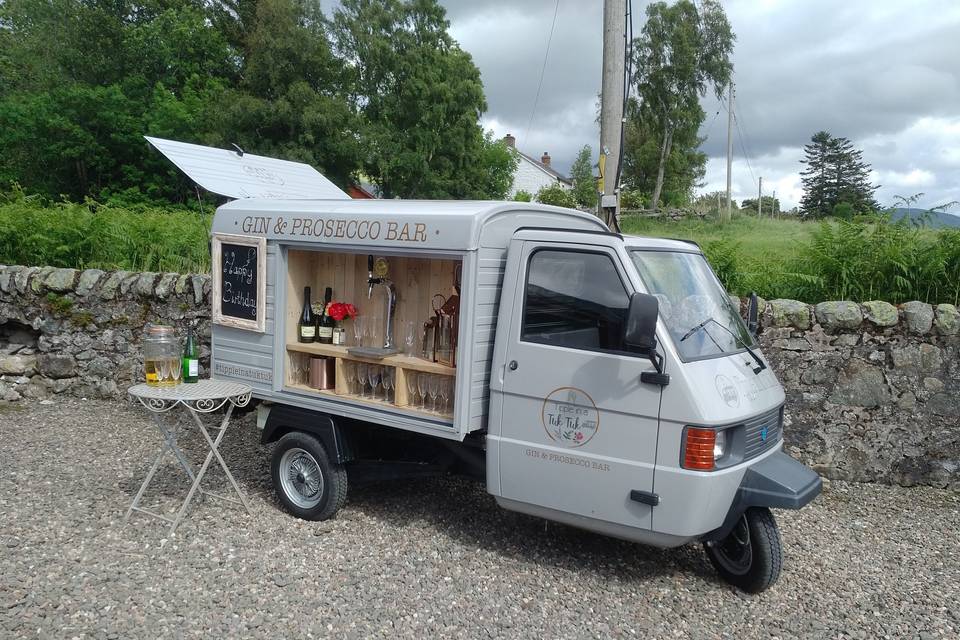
x,y
92,235
523,196
630,199
557,196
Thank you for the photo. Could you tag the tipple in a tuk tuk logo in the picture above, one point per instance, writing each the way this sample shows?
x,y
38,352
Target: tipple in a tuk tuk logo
x,y
570,416
727,391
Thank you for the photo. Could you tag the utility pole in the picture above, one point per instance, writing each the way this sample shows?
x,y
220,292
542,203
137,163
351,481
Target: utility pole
x,y
760,198
776,211
729,148
611,107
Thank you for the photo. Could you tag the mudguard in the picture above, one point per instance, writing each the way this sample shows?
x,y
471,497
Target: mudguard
x,y
778,481
283,419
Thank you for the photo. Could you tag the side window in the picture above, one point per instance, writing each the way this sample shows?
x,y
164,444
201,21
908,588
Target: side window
x,y
574,299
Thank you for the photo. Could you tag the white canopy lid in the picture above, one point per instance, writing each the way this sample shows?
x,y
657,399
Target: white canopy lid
x,y
228,173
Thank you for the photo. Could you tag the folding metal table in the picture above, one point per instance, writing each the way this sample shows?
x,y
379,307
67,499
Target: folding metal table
x,y
205,396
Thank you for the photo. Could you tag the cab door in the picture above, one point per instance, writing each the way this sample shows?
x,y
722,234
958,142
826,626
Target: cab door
x,y
577,428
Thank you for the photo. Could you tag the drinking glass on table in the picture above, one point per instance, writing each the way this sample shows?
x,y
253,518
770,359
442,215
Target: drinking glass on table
x,y
362,378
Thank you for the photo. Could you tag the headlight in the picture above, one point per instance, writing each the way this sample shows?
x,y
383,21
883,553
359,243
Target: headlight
x,y
719,445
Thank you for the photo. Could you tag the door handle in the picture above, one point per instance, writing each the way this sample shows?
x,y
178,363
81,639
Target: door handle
x,y
645,497
513,365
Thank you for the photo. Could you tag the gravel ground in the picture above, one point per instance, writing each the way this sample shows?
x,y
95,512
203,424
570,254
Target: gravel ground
x,y
420,559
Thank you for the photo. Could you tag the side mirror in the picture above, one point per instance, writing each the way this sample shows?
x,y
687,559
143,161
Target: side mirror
x,y
640,331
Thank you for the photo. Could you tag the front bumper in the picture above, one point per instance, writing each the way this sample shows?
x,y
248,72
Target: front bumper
x,y
778,481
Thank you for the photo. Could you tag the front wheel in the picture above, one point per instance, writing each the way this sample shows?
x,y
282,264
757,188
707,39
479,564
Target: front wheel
x,y
750,556
307,483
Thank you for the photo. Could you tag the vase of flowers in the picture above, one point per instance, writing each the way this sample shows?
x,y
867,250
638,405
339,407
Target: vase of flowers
x,y
340,311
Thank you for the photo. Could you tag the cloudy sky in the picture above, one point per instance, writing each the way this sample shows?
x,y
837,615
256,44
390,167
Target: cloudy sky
x,y
885,74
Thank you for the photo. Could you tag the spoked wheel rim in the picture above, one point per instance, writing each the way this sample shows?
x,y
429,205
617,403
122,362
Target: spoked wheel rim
x,y
735,552
301,478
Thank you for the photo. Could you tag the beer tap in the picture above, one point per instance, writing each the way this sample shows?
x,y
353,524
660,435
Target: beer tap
x,y
391,300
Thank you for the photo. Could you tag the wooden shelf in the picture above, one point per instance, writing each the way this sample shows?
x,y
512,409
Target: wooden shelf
x,y
398,360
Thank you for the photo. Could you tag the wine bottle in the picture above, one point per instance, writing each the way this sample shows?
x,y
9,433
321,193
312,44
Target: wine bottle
x,y
325,322
191,358
306,327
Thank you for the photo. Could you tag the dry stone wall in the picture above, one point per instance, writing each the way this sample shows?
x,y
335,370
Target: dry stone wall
x,y
873,390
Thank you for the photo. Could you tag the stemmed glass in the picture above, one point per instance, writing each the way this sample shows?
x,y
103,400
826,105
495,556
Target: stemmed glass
x,y
362,378
411,379
350,373
387,382
433,388
422,388
444,394
373,376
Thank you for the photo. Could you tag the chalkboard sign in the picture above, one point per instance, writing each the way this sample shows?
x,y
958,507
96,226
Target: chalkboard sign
x,y
239,281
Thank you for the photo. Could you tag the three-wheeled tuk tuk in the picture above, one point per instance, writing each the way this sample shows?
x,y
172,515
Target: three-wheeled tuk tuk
x,y
598,380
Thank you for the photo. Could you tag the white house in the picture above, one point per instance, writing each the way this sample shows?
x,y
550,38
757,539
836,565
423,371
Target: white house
x,y
532,175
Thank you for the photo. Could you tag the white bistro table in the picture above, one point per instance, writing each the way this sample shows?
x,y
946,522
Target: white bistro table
x,y
205,396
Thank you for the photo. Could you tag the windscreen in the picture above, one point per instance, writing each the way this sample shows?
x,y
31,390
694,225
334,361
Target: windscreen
x,y
693,305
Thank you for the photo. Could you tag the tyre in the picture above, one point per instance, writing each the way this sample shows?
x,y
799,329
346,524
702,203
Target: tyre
x,y
750,556
307,483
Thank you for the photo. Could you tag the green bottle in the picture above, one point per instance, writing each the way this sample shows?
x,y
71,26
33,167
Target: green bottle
x,y
191,358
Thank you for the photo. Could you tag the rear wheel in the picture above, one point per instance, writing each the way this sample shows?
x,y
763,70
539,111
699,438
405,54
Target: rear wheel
x,y
307,483
750,556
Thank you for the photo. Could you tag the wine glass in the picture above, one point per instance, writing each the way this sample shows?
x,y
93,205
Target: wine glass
x,y
370,331
422,388
433,388
362,378
411,380
373,376
176,370
387,382
444,394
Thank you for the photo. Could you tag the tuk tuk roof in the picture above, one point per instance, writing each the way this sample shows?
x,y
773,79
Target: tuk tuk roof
x,y
424,224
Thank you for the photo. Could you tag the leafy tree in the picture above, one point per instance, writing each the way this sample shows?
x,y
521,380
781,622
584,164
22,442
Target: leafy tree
x,y
680,53
584,183
523,196
418,97
771,205
684,167
556,195
835,174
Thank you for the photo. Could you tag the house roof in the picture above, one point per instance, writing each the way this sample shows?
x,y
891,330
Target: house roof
x,y
550,171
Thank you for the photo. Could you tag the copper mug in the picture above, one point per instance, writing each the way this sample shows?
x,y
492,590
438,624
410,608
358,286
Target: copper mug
x,y
323,372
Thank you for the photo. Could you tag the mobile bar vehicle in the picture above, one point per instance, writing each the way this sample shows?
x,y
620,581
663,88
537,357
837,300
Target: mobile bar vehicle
x,y
598,380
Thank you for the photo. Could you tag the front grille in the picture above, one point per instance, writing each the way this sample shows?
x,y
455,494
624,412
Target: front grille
x,y
753,429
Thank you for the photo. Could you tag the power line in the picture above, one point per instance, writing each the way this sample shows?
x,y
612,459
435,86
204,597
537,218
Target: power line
x,y
743,148
543,70
706,133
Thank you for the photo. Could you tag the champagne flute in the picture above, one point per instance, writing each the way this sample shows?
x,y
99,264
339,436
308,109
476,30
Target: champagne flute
x,y
388,373
422,388
350,374
444,394
358,322
433,388
411,381
362,378
373,376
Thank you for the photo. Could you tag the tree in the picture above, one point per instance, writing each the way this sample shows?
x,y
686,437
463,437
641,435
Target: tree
x,y
556,195
685,165
680,54
584,183
835,174
771,205
418,96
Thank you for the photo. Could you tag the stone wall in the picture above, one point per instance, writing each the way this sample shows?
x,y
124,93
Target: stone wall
x,y
873,390
79,332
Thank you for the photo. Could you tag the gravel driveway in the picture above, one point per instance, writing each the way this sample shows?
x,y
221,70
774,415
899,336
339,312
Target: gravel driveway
x,y
419,559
